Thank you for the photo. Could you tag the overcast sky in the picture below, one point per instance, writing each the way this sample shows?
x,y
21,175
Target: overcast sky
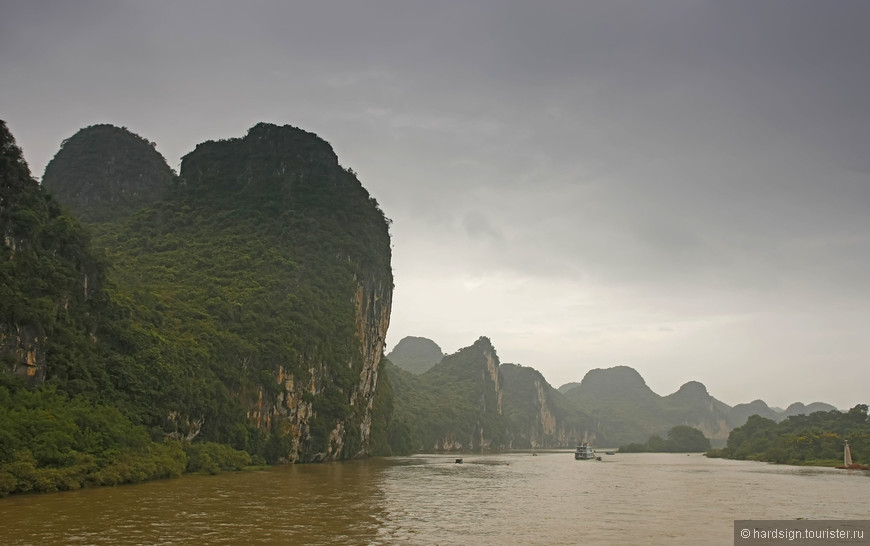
x,y
678,186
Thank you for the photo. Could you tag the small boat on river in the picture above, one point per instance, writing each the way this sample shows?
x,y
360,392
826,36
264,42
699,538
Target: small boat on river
x,y
584,452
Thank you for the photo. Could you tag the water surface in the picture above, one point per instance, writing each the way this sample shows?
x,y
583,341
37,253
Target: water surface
x,y
428,499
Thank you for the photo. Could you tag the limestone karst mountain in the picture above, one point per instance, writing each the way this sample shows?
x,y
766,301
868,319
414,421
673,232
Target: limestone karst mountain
x,y
253,290
441,408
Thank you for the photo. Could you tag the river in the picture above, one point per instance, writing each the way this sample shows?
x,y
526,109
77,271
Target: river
x,y
511,498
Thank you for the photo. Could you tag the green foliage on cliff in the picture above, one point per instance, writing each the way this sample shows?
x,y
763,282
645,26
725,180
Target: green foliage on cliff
x,y
383,428
816,438
49,442
243,276
681,439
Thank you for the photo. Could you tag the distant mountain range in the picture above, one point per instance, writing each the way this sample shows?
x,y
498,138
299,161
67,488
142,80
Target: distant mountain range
x,y
441,402
469,401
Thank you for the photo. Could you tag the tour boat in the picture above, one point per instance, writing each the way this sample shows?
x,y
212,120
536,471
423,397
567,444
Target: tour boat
x,y
585,452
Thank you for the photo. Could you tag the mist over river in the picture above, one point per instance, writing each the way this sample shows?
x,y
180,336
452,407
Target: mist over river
x,y
511,498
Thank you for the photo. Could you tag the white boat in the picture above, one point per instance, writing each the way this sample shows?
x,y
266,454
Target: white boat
x,y
584,452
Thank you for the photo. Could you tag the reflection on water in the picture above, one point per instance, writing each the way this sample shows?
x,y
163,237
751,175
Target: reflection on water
x,y
496,499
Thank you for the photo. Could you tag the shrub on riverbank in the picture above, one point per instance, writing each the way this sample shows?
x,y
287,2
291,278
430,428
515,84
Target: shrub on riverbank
x,y
50,442
212,458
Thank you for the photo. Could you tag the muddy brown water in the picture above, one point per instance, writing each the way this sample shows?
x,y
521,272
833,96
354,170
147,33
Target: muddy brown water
x,y
512,498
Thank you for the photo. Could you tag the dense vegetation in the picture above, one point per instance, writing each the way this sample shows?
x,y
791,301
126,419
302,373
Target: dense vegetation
x,y
234,310
681,439
50,442
814,439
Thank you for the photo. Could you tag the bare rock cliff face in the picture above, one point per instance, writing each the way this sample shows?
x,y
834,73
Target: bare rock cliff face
x,y
291,414
24,348
373,304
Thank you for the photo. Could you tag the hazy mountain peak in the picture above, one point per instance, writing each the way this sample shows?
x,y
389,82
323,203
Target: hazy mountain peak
x,y
268,156
617,377
693,388
799,408
416,354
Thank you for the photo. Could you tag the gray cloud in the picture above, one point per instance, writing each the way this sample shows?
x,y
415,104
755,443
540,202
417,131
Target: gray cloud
x,y
680,186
